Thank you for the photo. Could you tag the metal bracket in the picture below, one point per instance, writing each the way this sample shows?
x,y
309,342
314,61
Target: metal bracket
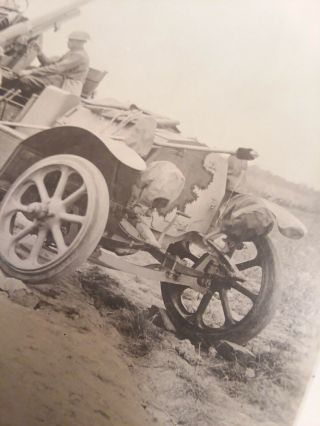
x,y
110,260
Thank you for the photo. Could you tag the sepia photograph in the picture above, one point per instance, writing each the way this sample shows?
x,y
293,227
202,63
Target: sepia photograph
x,y
159,213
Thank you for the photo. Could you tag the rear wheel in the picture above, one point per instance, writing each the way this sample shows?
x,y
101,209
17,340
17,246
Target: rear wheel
x,y
52,218
236,312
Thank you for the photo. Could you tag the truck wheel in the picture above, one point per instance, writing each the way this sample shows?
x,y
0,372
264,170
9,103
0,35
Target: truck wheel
x,y
236,314
52,218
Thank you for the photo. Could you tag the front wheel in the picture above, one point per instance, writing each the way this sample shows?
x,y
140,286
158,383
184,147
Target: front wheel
x,y
52,218
237,313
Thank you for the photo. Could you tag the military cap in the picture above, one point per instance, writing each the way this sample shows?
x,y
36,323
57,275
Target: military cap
x,y
79,35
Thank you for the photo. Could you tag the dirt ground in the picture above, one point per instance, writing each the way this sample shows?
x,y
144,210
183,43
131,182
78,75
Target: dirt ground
x,y
62,364
63,372
71,356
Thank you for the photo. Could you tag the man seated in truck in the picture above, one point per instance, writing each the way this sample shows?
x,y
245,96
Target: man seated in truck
x,y
67,72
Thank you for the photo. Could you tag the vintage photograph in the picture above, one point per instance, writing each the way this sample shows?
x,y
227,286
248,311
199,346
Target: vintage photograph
x,y
159,212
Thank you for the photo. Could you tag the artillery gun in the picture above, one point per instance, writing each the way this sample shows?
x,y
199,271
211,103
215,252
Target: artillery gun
x,y
20,38
16,24
67,170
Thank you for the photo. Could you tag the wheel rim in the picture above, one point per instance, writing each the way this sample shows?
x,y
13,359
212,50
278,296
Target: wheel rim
x,y
224,310
37,221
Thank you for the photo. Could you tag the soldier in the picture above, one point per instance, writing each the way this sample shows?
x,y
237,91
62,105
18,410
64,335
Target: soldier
x,y
67,72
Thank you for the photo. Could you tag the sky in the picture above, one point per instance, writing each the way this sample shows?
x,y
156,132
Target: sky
x,y
233,72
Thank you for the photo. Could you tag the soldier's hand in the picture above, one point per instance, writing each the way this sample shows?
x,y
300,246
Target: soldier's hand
x,y
36,47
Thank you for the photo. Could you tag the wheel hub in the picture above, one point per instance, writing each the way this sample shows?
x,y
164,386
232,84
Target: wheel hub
x,y
38,210
45,210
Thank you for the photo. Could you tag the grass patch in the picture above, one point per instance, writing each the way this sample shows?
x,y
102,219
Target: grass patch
x,y
142,336
140,333
103,289
266,382
193,383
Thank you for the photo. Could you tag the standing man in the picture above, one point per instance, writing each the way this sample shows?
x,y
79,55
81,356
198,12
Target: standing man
x,y
67,72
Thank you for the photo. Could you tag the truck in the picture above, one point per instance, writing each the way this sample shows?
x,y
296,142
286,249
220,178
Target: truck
x,y
69,166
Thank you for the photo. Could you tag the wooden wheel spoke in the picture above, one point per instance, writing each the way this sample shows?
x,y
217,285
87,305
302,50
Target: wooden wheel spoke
x,y
61,186
204,303
248,264
35,251
38,180
252,296
74,218
58,238
226,307
24,232
15,208
75,196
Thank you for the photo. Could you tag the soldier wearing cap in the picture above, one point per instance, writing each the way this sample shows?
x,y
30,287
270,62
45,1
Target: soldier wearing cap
x,y
67,72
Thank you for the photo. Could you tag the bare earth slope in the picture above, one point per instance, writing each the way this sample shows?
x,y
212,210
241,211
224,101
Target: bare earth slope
x,y
55,373
63,363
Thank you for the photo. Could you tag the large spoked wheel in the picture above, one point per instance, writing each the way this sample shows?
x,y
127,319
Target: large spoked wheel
x,y
52,218
236,312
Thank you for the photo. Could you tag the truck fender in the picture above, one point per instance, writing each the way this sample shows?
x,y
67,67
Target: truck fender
x,y
123,153
59,139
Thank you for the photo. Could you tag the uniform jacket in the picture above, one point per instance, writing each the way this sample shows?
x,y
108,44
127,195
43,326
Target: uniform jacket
x,y
73,65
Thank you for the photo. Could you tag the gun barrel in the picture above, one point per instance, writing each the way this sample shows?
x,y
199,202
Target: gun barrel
x,y
41,23
192,147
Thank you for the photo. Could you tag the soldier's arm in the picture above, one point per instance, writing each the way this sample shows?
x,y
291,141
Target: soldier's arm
x,y
45,60
36,46
65,64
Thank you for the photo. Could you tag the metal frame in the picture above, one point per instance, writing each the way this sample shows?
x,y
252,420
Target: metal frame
x,y
170,268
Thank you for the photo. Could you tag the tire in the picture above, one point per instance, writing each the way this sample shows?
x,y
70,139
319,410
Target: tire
x,y
247,319
52,218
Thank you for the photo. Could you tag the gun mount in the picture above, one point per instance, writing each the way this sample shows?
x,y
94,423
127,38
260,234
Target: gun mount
x,y
18,33
33,27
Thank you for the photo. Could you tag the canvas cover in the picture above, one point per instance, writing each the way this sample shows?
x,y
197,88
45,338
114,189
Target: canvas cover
x,y
140,136
131,127
161,179
247,217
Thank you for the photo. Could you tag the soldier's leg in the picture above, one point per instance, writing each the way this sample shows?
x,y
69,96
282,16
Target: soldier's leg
x,y
31,84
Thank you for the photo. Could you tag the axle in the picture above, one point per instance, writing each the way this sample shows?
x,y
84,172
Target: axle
x,y
201,278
